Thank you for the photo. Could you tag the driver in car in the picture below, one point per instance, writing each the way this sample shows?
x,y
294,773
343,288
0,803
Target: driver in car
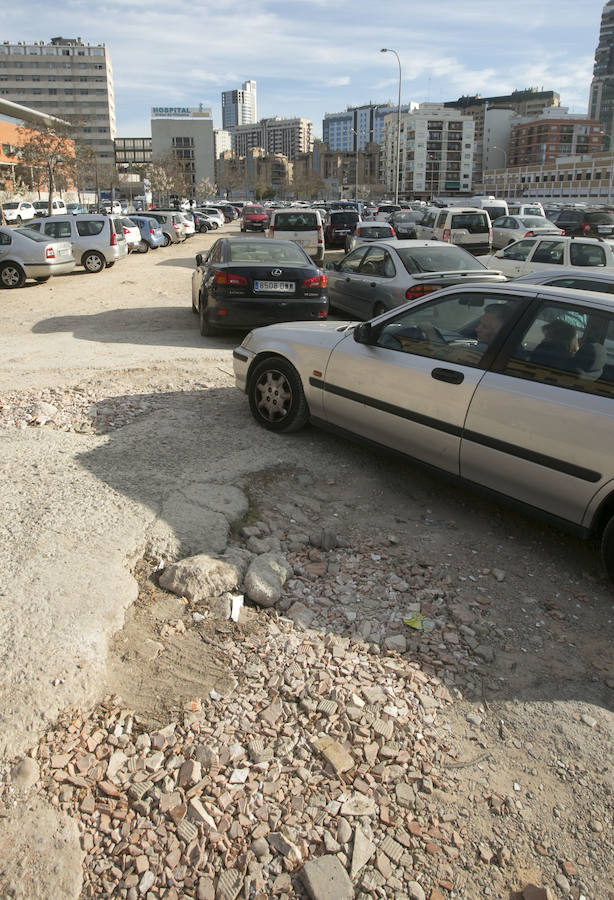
x,y
489,325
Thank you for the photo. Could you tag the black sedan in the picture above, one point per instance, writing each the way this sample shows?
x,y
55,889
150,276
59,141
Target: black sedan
x,y
404,224
247,282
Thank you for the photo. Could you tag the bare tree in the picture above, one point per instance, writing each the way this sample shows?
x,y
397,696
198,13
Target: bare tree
x,y
50,152
205,188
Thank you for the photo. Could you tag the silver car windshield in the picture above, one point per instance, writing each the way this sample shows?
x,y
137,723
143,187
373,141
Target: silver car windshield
x,y
438,259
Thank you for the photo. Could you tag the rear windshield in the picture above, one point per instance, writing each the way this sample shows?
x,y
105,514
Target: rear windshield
x,y
600,218
296,222
438,259
390,208
253,211
34,235
10,205
474,223
534,222
372,231
345,217
531,211
495,211
267,252
89,227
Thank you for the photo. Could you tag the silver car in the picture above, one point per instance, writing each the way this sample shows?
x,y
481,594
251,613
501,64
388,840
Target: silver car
x,y
25,254
366,232
378,276
98,240
507,229
508,388
593,280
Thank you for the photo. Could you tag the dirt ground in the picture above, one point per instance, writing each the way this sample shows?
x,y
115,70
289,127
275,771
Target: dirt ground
x,y
524,636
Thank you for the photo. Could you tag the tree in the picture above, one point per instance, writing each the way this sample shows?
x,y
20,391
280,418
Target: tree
x,y
168,177
205,188
50,152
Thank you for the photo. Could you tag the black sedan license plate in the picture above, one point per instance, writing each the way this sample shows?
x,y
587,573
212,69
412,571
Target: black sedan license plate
x,y
276,287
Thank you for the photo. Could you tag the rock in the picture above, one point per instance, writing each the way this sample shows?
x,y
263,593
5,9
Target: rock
x,y
562,882
25,774
415,891
286,847
358,804
344,831
396,643
301,614
335,754
229,885
325,539
588,720
533,892
260,848
485,652
325,878
201,577
146,881
362,852
499,574
266,577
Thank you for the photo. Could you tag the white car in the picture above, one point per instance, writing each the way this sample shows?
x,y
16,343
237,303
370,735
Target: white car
x,y
216,215
532,254
132,232
18,211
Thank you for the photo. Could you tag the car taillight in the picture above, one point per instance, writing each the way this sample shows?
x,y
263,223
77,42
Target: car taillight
x,y
562,231
318,281
446,235
49,253
113,239
322,314
529,234
419,290
229,278
272,229
586,227
152,232
125,230
392,231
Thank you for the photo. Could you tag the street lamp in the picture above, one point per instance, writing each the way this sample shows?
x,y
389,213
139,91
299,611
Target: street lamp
x,y
396,179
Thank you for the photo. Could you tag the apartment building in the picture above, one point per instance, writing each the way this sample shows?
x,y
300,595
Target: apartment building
x,y
601,98
133,151
68,79
542,139
530,102
436,155
289,137
256,170
358,126
240,107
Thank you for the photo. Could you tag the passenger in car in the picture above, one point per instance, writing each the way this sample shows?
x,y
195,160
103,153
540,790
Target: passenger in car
x,y
559,346
490,324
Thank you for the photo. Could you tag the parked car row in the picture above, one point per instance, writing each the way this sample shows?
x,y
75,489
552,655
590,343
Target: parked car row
x,y
55,245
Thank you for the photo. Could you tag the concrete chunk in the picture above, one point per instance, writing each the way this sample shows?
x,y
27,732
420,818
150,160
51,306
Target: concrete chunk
x,y
325,877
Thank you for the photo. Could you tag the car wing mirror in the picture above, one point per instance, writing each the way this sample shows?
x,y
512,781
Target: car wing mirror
x,y
333,266
363,333
499,254
199,259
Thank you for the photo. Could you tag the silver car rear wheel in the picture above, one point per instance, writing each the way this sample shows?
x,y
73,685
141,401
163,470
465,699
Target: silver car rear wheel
x,y
93,261
276,396
12,275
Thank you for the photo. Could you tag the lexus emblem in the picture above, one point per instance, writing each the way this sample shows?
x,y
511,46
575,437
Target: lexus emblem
x,y
276,272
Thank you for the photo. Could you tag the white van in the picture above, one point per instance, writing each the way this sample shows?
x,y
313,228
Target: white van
x,y
493,206
524,208
466,226
303,226
58,207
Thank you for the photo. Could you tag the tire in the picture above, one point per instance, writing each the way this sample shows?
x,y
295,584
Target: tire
x,y
378,309
607,548
167,241
276,397
214,225
143,247
93,262
19,220
206,329
43,279
203,229
12,275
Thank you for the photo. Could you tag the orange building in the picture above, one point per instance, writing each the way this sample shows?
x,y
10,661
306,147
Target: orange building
x,y
10,140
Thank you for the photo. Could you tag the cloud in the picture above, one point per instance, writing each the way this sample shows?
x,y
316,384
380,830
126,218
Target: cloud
x,y
338,82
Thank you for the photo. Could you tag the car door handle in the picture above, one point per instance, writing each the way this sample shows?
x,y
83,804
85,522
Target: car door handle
x,y
449,375
373,284
347,279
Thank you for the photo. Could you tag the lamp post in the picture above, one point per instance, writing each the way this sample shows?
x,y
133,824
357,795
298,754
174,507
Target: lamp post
x,y
396,177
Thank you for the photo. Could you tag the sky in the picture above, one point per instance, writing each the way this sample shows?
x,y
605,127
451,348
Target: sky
x,y
310,57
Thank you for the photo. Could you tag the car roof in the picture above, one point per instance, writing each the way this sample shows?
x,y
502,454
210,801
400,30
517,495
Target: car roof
x,y
588,298
565,272
399,245
260,240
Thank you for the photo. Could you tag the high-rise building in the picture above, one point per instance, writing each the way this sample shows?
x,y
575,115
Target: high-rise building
x,y
287,136
240,107
68,79
358,126
601,100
